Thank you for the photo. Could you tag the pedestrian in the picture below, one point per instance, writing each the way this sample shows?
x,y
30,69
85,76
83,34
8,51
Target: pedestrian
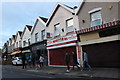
x,y
85,61
67,60
33,60
37,61
74,60
29,60
23,61
41,59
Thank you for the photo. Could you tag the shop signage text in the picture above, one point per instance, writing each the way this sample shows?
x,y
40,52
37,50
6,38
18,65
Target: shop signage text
x,y
63,39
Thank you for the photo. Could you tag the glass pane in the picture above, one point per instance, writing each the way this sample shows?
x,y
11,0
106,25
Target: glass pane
x,y
96,22
36,37
43,34
48,34
56,33
57,27
70,22
70,29
57,30
95,16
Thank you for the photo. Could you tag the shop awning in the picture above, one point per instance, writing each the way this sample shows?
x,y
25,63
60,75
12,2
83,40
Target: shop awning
x,y
26,51
13,53
17,52
99,27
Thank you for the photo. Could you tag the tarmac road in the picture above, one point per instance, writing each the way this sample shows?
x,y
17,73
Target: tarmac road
x,y
9,71
13,73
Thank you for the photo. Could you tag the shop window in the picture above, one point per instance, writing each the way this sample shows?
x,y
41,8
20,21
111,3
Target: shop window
x,y
57,30
96,18
43,34
69,23
36,37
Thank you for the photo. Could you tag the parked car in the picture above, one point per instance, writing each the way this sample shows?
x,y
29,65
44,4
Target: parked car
x,y
17,61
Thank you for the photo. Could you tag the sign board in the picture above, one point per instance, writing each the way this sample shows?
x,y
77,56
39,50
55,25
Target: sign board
x,y
66,40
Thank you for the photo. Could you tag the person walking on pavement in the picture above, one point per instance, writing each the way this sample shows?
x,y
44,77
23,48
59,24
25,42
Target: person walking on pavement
x,y
33,60
23,61
74,60
67,60
41,59
29,60
37,61
85,61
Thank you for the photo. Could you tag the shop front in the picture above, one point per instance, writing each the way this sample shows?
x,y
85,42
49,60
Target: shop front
x,y
27,51
103,54
58,47
17,52
102,44
40,49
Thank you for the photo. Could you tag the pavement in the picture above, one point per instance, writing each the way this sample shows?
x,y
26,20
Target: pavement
x,y
95,72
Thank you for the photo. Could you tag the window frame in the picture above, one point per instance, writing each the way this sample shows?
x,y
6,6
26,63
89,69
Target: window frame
x,y
96,19
24,43
55,29
28,41
68,20
36,37
17,44
43,36
69,26
20,44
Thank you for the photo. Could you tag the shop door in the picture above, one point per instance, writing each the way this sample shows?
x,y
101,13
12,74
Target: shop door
x,y
57,56
104,54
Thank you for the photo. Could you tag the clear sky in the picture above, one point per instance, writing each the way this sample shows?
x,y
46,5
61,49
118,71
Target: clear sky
x,y
15,15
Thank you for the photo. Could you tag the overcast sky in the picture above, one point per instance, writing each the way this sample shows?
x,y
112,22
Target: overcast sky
x,y
15,15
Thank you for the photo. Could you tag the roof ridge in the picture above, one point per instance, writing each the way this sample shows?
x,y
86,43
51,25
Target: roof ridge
x,y
29,27
43,18
68,6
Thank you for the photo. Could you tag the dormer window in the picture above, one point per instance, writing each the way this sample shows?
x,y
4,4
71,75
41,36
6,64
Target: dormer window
x,y
69,24
57,30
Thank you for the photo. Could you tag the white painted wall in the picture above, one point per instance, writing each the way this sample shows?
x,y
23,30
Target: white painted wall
x,y
12,43
9,46
18,38
37,29
60,17
25,36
